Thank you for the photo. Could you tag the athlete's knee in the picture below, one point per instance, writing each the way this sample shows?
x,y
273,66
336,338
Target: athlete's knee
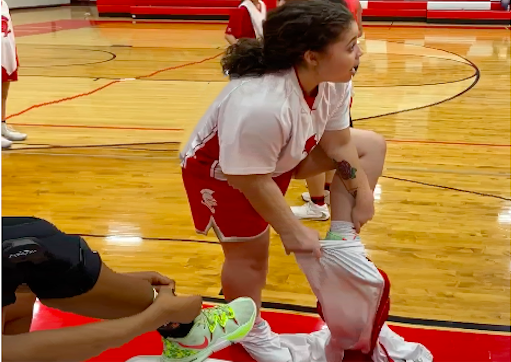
x,y
18,227
53,264
379,144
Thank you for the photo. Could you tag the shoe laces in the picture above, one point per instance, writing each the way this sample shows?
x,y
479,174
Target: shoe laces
x,y
216,316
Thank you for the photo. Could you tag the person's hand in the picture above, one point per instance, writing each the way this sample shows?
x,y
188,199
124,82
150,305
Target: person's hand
x,y
156,279
177,309
302,240
363,210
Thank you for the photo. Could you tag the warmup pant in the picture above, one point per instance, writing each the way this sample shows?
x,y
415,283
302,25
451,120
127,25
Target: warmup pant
x,y
353,298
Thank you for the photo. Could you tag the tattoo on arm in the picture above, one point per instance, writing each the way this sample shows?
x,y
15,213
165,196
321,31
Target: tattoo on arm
x,y
348,174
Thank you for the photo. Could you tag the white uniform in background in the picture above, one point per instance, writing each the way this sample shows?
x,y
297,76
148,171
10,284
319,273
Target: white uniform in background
x,y
9,58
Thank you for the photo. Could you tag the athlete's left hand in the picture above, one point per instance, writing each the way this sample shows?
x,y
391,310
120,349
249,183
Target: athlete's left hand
x,y
363,210
156,279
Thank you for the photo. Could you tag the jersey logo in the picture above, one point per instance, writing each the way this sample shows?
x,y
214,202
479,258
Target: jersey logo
x,y
208,200
5,26
310,144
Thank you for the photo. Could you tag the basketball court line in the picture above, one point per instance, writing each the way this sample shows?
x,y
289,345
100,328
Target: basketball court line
x,y
45,104
391,140
73,24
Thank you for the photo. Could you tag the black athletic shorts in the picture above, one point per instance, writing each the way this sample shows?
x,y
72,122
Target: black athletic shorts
x,y
51,263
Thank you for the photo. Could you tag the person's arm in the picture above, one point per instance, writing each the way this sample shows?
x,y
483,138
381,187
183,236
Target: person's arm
x,y
230,39
86,341
265,196
251,139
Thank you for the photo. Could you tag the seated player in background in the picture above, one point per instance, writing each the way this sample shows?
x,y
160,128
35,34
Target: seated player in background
x,y
39,260
246,21
9,74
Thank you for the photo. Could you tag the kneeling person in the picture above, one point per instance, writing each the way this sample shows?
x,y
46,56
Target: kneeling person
x,y
39,260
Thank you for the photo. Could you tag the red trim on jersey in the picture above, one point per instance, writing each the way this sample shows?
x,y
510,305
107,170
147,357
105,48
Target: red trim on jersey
x,y
308,98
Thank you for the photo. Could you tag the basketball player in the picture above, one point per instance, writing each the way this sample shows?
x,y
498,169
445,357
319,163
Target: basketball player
x,y
9,74
289,92
369,144
64,273
247,21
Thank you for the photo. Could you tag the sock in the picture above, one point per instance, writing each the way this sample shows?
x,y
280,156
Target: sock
x,y
258,320
327,186
320,201
344,228
175,330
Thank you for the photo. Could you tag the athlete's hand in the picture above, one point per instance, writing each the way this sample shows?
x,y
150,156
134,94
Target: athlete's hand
x,y
177,309
156,279
363,210
302,240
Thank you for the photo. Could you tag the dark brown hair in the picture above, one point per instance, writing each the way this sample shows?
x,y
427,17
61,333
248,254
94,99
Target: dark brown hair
x,y
289,31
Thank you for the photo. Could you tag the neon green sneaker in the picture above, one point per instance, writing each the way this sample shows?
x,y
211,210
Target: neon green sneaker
x,y
214,329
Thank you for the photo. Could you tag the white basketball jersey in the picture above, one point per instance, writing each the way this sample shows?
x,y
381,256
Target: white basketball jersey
x,y
263,125
9,61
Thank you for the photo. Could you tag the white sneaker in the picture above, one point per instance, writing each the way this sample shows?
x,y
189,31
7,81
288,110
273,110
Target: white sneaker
x,y
311,211
11,134
6,143
263,345
307,197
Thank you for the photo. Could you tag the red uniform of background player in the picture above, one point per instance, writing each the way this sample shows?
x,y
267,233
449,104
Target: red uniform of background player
x,y
246,21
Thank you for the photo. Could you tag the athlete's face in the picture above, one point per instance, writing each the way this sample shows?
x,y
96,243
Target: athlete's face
x,y
336,64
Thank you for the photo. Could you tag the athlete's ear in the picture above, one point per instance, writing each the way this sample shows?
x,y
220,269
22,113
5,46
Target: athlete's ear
x,y
311,58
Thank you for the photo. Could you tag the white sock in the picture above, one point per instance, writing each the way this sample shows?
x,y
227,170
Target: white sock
x,y
342,227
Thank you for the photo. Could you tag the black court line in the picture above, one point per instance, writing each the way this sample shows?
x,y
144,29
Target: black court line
x,y
477,76
396,319
448,188
112,57
466,62
312,310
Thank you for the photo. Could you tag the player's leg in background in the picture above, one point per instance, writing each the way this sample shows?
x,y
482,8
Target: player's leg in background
x,y
316,199
8,134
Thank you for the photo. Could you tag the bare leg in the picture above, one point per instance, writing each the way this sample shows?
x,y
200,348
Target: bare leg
x,y
316,185
329,177
5,93
245,268
371,150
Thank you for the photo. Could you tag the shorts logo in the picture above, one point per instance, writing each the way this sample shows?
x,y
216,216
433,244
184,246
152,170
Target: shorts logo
x,y
5,26
208,200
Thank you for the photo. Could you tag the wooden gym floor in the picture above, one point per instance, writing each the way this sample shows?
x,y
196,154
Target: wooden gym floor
x,y
104,162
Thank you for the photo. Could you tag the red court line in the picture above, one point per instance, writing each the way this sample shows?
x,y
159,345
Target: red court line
x,y
61,100
50,27
107,85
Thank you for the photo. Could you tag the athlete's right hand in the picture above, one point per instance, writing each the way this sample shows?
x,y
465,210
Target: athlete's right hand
x,y
177,309
302,240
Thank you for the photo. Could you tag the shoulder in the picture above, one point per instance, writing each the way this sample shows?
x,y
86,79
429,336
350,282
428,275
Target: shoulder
x,y
337,91
268,96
